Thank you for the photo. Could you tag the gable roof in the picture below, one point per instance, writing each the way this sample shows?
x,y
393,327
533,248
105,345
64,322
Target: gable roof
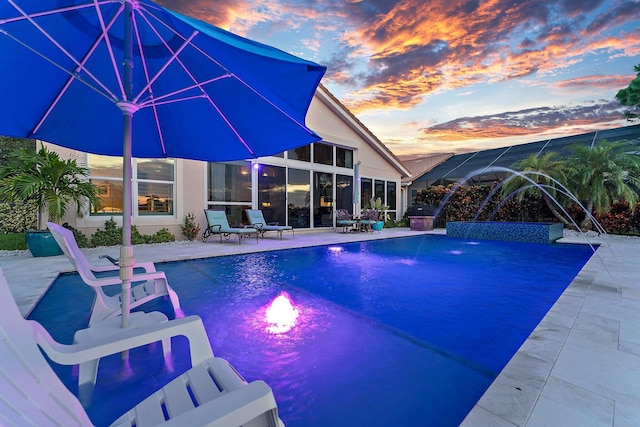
x,y
356,125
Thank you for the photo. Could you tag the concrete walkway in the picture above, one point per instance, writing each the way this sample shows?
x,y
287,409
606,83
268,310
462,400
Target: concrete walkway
x,y
581,365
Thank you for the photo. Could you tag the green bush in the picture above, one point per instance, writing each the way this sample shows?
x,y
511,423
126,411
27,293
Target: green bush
x,y
112,236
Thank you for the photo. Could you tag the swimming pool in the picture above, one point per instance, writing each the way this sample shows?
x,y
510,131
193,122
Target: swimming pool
x,y
406,331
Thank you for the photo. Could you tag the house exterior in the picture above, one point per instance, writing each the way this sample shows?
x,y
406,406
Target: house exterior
x,y
302,187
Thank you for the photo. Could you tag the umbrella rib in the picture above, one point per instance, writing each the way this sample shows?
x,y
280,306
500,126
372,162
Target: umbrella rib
x,y
146,76
62,49
164,67
199,85
74,76
206,55
105,35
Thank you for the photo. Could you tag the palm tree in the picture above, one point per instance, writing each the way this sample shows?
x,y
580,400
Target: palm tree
x,y
54,184
603,174
546,170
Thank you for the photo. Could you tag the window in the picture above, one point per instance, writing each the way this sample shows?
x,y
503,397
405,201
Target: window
x,y
229,188
155,186
272,196
152,186
344,192
322,199
299,194
344,157
391,200
366,192
379,189
229,182
322,154
301,153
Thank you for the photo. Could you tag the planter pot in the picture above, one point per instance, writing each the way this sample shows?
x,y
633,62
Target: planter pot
x,y
41,243
378,225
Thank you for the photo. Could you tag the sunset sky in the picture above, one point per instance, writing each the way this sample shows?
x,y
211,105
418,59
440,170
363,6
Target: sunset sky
x,y
454,76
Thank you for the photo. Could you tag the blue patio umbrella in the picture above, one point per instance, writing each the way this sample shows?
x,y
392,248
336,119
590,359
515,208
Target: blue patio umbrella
x,y
130,78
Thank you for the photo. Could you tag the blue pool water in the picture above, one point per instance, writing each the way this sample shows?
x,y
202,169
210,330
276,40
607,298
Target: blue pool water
x,y
407,331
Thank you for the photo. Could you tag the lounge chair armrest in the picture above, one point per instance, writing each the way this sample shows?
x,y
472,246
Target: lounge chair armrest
x,y
111,259
71,354
257,225
217,225
149,267
232,409
273,223
136,278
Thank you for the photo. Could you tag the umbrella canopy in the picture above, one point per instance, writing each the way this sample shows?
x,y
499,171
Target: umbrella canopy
x,y
130,78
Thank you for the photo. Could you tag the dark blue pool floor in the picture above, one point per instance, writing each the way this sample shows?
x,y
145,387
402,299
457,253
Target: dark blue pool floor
x,y
407,331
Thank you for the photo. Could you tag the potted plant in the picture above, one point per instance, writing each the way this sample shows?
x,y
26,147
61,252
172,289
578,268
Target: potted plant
x,y
53,184
383,216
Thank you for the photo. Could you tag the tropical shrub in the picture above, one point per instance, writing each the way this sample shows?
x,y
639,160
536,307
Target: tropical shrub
x,y
190,228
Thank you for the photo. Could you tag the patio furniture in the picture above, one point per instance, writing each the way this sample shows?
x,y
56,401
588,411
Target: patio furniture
x,y
345,220
154,283
217,223
369,217
256,219
211,393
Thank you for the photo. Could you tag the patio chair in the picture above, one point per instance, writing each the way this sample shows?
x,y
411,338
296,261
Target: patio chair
x,y
369,217
256,219
211,393
345,220
154,283
217,223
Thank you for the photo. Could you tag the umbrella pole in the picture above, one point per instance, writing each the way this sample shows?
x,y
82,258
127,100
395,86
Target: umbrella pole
x,y
127,260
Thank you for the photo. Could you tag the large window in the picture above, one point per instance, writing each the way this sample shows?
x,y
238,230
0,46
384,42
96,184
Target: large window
x,y
299,195
322,199
272,196
366,192
229,189
379,189
391,199
344,192
152,186
229,182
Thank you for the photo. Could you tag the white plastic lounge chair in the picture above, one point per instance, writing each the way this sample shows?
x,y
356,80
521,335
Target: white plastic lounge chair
x,y
256,218
104,306
217,223
211,393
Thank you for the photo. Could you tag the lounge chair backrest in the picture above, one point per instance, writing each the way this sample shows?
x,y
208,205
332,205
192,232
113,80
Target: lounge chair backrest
x,y
32,393
255,216
67,242
217,218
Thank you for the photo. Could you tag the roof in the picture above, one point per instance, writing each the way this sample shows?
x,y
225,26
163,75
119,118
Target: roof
x,y
352,121
460,166
419,167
